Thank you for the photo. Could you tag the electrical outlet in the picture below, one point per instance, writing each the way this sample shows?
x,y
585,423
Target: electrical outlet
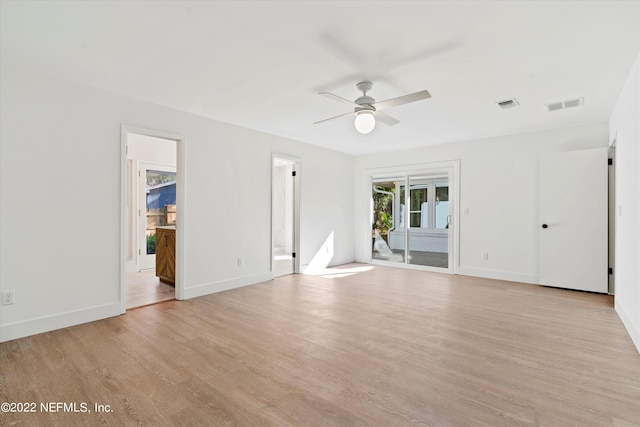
x,y
240,262
485,256
8,297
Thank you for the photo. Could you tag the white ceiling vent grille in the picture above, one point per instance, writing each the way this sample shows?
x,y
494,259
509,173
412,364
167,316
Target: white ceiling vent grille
x,y
561,105
508,103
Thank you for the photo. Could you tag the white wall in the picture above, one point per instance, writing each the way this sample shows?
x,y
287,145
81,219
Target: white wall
x,y
60,200
624,129
498,188
150,149
60,155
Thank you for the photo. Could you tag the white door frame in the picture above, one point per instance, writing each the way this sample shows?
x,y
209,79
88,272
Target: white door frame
x,y
296,209
612,218
125,130
449,168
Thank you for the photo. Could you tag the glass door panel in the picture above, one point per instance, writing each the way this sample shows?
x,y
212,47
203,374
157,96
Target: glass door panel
x,y
442,206
387,233
418,217
429,215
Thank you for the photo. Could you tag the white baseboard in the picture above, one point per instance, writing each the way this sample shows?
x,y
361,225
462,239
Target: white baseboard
x,y
224,285
39,325
489,274
333,263
498,275
627,321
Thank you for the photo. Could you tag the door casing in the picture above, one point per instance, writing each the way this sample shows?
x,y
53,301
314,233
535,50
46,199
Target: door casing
x,y
125,130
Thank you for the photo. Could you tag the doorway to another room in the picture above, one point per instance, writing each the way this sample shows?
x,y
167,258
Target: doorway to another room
x,y
151,215
284,216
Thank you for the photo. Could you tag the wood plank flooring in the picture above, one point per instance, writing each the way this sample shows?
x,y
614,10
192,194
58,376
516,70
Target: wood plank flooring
x,y
381,347
144,288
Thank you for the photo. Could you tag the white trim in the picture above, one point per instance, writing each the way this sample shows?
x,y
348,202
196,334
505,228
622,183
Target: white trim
x,y
131,243
224,285
611,220
627,321
409,266
124,130
180,201
39,325
499,275
437,169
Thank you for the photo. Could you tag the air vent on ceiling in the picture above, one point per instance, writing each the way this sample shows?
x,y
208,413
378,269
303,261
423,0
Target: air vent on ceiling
x,y
561,105
508,103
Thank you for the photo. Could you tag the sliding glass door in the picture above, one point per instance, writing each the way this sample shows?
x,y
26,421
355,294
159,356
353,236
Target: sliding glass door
x,y
411,219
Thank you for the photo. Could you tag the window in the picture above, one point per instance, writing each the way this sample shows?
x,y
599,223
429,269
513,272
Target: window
x,y
428,204
418,212
442,206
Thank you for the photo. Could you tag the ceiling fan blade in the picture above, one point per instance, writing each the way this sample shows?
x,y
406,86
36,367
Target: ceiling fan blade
x,y
331,118
405,99
386,119
338,98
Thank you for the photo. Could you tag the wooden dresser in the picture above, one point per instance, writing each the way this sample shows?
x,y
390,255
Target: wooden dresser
x,y
166,254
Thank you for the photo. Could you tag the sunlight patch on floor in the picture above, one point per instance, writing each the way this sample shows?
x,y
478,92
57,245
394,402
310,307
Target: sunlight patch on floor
x,y
336,272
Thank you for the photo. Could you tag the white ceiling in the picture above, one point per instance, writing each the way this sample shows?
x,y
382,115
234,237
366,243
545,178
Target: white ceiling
x,y
260,64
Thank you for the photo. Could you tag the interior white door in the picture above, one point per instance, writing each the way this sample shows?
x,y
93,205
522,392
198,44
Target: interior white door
x,y
573,220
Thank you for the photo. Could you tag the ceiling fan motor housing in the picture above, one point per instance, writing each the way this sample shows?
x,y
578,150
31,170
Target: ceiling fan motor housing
x,y
365,103
366,107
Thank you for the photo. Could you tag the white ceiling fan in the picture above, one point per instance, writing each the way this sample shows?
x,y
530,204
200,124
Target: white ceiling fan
x,y
367,110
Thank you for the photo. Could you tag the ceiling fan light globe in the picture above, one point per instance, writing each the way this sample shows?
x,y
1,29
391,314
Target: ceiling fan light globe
x,y
365,122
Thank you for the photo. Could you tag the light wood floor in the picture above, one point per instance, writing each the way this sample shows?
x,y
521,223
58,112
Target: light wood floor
x,y
382,347
144,288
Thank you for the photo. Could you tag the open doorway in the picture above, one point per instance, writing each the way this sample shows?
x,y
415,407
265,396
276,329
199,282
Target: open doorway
x,y
284,216
151,210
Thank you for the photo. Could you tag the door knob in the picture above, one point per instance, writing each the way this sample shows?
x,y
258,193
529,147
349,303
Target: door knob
x,y
545,226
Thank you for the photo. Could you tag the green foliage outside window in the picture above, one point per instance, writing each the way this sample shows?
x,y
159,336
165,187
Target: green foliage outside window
x,y
151,244
383,210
